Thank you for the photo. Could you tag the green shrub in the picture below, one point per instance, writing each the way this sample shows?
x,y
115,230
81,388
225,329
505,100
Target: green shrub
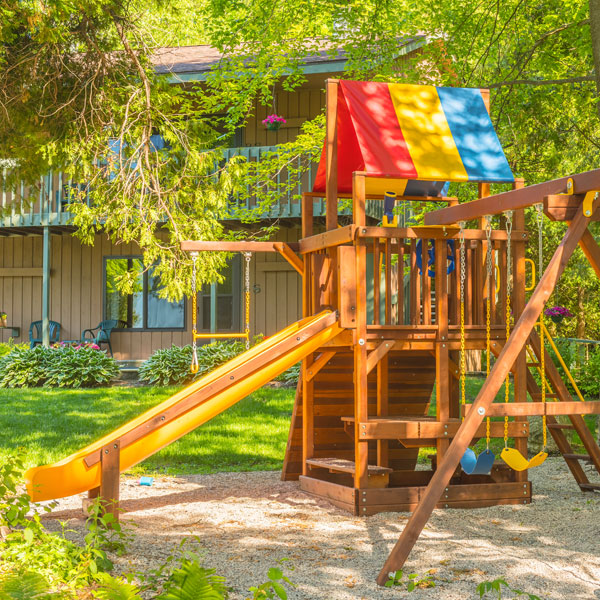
x,y
171,366
67,367
8,347
290,377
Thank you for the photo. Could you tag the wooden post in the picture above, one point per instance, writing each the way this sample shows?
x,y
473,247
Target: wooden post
x,y
109,486
518,302
442,374
382,407
376,282
308,420
361,447
484,399
331,183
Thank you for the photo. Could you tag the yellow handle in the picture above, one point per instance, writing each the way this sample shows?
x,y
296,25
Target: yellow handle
x,y
532,285
497,278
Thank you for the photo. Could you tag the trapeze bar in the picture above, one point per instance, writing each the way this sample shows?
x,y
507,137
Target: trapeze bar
x,y
219,336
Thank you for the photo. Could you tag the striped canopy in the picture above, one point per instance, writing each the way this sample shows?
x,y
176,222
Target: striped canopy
x,y
414,133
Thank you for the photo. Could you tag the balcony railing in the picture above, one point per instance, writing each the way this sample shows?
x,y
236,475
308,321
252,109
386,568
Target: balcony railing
x,y
29,207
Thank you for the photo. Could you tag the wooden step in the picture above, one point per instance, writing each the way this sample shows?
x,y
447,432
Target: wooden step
x,y
590,486
577,456
560,426
533,364
341,465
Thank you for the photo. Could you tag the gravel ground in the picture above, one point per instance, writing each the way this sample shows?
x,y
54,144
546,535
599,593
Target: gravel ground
x,y
245,522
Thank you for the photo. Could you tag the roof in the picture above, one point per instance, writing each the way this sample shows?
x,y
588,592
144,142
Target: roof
x,y
184,61
414,133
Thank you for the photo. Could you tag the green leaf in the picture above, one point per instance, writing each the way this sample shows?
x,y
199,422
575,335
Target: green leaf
x,y
275,574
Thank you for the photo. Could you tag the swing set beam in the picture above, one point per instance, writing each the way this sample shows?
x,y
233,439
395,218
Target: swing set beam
x,y
514,199
482,404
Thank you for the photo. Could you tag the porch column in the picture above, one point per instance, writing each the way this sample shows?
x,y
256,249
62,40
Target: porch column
x,y
46,288
213,309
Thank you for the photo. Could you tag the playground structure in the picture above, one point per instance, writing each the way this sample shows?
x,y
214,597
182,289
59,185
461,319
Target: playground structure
x,y
398,307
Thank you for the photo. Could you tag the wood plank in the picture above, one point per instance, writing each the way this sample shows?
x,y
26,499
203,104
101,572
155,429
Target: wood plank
x,y
223,246
435,233
514,199
318,364
21,272
111,469
346,267
328,239
290,256
490,388
344,466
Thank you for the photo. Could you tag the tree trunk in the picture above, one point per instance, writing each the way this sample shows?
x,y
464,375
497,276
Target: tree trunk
x,y
595,33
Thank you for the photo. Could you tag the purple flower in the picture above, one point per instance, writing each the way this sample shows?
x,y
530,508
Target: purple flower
x,y
558,311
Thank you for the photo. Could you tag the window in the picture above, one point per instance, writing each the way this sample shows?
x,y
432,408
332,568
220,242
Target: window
x,y
227,302
142,309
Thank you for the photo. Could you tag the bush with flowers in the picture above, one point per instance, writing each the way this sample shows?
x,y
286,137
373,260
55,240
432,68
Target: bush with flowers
x,y
64,365
558,313
273,122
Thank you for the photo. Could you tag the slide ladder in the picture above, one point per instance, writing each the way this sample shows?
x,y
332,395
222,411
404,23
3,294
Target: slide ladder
x,y
557,391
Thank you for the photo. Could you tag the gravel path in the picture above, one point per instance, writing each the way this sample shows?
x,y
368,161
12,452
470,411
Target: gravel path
x,y
245,522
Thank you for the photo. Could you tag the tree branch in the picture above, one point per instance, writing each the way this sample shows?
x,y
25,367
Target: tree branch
x,y
537,82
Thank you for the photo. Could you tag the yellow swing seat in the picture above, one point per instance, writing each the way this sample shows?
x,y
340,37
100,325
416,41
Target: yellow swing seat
x,y
516,461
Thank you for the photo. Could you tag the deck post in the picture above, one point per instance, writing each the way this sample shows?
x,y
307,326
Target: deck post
x,y
361,447
46,287
488,391
518,302
111,469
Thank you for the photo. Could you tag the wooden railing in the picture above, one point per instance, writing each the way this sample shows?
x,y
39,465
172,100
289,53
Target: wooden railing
x,y
47,202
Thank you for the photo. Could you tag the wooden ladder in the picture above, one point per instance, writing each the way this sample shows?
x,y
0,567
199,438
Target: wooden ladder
x,y
557,391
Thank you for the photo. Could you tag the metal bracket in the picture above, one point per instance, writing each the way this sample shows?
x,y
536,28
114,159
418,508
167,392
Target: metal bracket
x,y
588,201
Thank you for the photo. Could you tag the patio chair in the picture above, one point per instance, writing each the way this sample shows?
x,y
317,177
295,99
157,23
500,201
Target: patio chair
x,y
101,334
35,333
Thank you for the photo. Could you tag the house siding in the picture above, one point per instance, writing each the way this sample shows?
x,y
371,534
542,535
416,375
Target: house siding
x,y
76,291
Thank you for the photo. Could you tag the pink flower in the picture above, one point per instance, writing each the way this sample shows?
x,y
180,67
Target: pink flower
x,y
270,119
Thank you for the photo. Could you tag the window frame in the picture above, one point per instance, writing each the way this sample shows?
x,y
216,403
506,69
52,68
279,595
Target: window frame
x,y
236,300
144,329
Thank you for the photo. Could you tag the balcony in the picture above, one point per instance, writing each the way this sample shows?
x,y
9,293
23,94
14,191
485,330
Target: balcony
x,y
49,206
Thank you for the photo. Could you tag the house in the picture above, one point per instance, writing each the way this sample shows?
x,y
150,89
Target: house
x,y
46,271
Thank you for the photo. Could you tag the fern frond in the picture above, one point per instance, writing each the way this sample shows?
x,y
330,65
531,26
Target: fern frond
x,y
112,588
28,586
193,582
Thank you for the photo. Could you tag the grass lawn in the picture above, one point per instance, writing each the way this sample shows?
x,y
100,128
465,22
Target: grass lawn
x,y
51,424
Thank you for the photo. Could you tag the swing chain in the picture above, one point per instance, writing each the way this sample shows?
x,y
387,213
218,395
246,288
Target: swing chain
x,y
194,366
463,362
509,224
540,224
488,236
248,257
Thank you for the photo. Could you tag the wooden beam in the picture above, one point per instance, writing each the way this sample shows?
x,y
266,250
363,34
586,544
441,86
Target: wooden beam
x,y
109,482
514,199
212,246
439,233
591,250
488,391
331,154
517,409
318,364
289,255
376,355
336,237
561,207
449,199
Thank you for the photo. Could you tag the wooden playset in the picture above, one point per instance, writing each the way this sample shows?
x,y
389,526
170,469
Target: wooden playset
x,y
390,315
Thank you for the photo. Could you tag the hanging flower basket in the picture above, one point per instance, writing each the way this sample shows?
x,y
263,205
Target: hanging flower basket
x,y
558,313
3,321
273,122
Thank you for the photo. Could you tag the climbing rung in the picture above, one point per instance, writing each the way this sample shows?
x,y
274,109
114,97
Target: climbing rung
x,y
590,486
533,364
559,426
577,456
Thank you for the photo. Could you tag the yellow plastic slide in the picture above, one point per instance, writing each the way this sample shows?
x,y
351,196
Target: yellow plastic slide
x,y
186,410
